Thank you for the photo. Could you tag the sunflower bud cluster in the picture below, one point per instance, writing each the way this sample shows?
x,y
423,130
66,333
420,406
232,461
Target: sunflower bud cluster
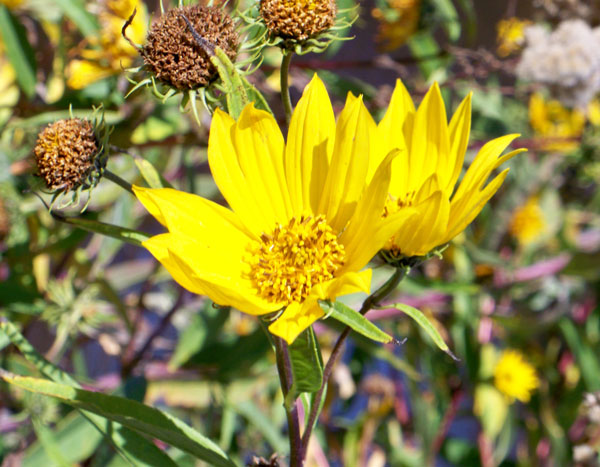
x,y
566,60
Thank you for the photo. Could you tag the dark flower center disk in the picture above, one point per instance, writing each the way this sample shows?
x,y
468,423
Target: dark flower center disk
x,y
176,58
65,153
298,19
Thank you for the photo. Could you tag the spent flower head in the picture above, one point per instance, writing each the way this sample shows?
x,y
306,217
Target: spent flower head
x,y
303,221
515,377
425,174
301,26
70,156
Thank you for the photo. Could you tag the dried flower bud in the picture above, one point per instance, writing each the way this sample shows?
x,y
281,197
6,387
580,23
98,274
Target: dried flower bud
x,y
176,58
298,19
66,152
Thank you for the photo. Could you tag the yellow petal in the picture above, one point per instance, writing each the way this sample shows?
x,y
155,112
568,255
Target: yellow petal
x,y
219,273
367,232
82,73
247,165
460,127
349,164
159,247
191,215
310,141
482,166
295,319
430,145
461,216
391,132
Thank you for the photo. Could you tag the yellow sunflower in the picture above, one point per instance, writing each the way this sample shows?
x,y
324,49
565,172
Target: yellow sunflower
x,y
425,173
515,377
303,221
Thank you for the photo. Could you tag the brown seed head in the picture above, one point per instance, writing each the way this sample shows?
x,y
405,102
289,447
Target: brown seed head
x,y
176,58
65,153
298,19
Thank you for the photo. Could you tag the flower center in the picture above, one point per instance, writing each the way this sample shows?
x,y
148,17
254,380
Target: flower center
x,y
286,264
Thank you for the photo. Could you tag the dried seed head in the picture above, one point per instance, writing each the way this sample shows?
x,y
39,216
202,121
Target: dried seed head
x,y
65,153
173,54
298,19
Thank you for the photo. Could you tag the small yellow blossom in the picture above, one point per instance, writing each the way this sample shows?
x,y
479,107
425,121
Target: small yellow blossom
x,y
395,31
304,218
109,53
510,35
9,91
10,4
515,377
528,222
425,174
558,127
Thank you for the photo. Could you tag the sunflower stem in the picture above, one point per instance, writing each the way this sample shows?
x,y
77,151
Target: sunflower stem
x,y
371,302
118,180
285,88
286,379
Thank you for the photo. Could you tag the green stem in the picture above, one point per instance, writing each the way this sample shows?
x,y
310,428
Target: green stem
x,y
285,88
286,378
372,301
118,180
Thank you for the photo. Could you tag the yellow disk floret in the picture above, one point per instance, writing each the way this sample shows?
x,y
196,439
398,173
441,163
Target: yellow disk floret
x,y
286,264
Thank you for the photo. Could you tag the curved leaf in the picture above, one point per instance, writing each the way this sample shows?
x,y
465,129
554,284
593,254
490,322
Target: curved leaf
x,y
355,320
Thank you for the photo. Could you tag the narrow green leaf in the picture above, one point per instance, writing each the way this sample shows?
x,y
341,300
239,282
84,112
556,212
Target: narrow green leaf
x,y
46,438
76,12
74,436
135,449
120,233
131,414
18,50
263,424
150,174
355,320
307,363
426,325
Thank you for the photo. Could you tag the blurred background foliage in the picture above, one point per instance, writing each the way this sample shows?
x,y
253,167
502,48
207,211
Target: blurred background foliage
x,y
522,283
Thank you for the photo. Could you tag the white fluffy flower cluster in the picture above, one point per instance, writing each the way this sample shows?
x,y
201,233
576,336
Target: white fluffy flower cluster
x,y
567,60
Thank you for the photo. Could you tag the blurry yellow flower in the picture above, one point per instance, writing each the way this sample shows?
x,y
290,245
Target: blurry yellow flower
x,y
593,112
510,35
303,219
560,126
515,377
425,173
10,4
528,222
397,23
9,91
109,53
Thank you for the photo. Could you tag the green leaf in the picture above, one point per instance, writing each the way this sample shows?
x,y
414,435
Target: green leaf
x,y
74,437
150,174
425,324
131,414
355,320
450,20
120,233
134,448
18,50
263,424
77,13
307,363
